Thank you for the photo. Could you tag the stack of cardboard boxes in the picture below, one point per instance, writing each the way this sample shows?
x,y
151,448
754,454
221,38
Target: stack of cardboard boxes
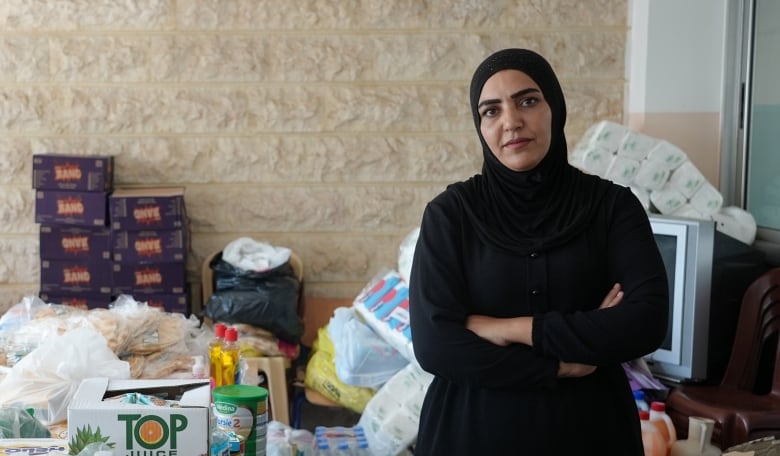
x,y
71,206
98,242
150,241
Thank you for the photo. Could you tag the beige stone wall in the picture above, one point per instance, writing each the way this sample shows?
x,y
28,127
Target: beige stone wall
x,y
321,125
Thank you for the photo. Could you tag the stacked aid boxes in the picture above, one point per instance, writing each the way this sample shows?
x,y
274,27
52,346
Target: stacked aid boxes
x,y
150,240
71,206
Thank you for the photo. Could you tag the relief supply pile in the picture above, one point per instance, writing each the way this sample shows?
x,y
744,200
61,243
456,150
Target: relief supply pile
x,y
364,360
660,175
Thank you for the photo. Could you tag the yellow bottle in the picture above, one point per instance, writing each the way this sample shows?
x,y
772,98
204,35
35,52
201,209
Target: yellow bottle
x,y
215,354
230,357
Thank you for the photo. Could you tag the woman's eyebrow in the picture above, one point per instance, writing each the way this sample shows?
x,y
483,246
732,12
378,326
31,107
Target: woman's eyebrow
x,y
515,95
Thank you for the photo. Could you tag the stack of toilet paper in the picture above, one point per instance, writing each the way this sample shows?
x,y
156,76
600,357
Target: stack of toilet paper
x,y
660,175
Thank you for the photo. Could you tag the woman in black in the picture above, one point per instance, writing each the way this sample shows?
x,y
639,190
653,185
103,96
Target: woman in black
x,y
531,283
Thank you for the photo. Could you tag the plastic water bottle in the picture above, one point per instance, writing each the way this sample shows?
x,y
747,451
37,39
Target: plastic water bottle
x,y
663,422
219,443
641,403
652,439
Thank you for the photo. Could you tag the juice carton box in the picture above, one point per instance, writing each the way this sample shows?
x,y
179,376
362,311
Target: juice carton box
x,y
65,242
80,173
137,429
56,207
156,208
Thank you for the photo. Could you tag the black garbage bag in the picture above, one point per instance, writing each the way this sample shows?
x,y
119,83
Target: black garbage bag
x,y
266,299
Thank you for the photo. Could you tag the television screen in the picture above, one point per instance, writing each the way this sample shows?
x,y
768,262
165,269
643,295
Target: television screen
x,y
667,245
686,247
708,273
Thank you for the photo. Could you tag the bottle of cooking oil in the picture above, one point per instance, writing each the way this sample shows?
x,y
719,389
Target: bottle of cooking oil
x,y
230,357
215,354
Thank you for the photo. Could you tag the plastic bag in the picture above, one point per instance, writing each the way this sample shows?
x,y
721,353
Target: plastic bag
x,y
267,299
321,376
362,357
17,423
46,379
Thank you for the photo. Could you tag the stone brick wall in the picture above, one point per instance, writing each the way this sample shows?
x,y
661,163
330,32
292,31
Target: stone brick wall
x,y
320,125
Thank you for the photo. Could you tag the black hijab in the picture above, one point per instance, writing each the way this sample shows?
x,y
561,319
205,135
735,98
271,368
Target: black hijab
x,y
535,210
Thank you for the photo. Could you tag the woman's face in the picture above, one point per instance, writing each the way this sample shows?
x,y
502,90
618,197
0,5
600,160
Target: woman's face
x,y
515,119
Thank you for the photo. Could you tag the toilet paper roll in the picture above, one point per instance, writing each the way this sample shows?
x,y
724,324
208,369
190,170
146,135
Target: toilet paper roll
x,y
737,223
667,154
605,134
651,175
642,195
596,160
707,199
622,170
636,145
688,211
687,179
667,200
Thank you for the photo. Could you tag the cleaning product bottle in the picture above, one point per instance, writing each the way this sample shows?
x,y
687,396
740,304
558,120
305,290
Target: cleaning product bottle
x,y
641,403
230,357
663,421
215,354
652,439
198,367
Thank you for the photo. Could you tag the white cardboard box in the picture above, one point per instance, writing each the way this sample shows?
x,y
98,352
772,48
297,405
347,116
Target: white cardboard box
x,y
137,430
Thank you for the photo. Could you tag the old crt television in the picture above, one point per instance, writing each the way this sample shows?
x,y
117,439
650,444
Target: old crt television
x,y
708,274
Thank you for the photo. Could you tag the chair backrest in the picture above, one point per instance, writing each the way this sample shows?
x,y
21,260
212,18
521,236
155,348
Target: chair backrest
x,y
756,348
207,275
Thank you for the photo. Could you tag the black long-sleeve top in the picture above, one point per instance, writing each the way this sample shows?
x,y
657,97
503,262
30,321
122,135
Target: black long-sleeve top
x,y
489,399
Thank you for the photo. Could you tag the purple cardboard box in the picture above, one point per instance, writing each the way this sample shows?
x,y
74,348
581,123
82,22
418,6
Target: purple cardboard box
x,y
54,207
73,276
150,246
80,300
139,279
64,242
80,173
159,208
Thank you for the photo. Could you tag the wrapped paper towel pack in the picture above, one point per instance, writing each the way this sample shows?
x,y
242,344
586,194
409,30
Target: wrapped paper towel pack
x,y
737,223
687,179
667,155
660,175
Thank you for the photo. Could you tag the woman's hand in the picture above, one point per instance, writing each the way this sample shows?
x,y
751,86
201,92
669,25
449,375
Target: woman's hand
x,y
501,331
613,298
570,370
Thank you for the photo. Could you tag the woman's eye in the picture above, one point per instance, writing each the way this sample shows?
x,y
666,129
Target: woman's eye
x,y
527,102
490,112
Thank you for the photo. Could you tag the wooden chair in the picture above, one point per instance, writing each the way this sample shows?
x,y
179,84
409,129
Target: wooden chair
x,y
746,403
274,368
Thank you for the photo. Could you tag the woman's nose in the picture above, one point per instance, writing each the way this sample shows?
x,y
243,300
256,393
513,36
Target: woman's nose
x,y
513,119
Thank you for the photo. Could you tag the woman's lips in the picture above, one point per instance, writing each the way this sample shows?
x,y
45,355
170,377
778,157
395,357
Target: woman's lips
x,y
517,143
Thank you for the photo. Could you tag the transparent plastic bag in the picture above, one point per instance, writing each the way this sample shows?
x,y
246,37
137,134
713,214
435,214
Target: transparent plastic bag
x,y
321,376
362,357
46,379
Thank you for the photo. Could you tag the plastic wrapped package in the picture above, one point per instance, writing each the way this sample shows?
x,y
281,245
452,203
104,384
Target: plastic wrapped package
x,y
16,422
321,376
362,358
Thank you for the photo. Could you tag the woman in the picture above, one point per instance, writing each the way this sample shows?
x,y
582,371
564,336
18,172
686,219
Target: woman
x,y
531,283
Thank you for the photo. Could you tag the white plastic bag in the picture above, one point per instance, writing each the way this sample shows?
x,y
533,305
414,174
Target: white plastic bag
x,y
362,357
251,255
46,379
